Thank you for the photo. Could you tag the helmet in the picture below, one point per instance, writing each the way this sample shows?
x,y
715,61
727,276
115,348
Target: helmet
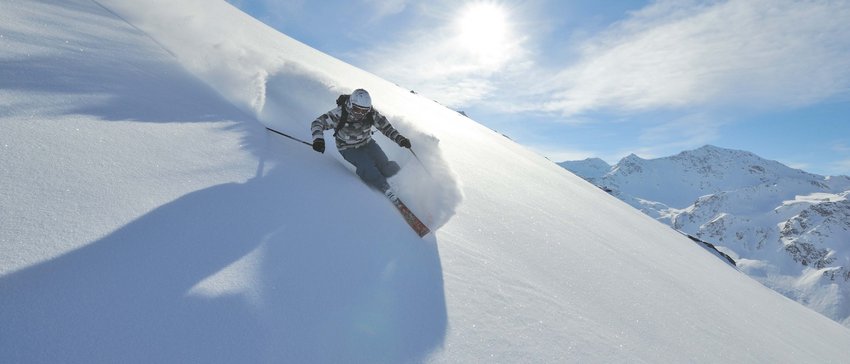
x,y
360,97
359,103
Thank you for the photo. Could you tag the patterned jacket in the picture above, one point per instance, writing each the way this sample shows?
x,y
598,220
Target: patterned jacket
x,y
355,133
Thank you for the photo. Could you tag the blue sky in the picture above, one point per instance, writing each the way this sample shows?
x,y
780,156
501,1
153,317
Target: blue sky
x,y
578,79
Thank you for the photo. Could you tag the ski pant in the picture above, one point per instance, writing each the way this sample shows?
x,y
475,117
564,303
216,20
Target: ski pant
x,y
372,164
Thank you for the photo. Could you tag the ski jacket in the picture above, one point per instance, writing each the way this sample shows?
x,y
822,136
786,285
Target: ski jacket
x,y
354,133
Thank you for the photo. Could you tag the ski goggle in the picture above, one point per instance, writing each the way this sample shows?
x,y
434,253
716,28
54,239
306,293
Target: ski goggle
x,y
359,111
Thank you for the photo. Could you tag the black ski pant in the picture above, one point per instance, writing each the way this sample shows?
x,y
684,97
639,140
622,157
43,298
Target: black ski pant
x,y
372,164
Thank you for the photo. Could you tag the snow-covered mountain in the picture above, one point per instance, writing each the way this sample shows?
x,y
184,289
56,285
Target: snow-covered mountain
x,y
147,216
787,228
588,169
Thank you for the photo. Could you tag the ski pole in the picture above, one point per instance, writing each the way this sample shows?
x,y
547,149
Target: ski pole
x,y
288,136
420,162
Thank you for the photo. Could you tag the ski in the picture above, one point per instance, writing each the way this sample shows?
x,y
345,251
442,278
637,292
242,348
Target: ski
x,y
411,219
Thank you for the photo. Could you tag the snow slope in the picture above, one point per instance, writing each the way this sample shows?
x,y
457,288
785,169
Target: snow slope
x,y
148,217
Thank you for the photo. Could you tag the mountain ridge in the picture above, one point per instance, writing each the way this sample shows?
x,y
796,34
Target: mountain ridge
x,y
783,226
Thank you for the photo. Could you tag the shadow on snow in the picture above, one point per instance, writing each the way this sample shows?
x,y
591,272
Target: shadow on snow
x,y
320,293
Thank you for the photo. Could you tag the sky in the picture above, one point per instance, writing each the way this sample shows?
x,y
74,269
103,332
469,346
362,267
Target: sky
x,y
579,79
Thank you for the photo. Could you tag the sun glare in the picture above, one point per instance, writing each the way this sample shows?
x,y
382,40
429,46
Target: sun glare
x,y
483,27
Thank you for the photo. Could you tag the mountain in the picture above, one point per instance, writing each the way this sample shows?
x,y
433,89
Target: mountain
x,y
786,228
589,169
147,216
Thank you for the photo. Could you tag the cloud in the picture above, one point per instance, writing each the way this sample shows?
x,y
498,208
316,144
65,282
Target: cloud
x,y
439,59
691,131
840,167
840,148
386,7
675,54
647,139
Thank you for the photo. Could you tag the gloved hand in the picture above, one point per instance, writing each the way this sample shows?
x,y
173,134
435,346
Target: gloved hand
x,y
403,142
319,145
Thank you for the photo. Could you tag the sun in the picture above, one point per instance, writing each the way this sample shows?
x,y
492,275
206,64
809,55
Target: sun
x,y
482,27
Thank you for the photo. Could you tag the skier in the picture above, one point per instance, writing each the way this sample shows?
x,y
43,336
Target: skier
x,y
352,122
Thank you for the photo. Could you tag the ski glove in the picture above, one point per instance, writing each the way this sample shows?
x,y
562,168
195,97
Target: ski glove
x,y
403,142
319,145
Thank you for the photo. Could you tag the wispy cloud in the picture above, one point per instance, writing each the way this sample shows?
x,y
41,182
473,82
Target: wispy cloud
x,y
442,58
841,167
755,54
688,132
841,148
384,8
758,53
